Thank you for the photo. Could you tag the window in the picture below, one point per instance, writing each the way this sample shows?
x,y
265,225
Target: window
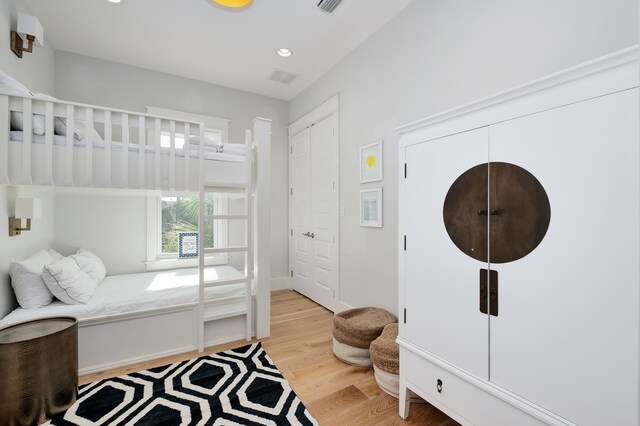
x,y
180,214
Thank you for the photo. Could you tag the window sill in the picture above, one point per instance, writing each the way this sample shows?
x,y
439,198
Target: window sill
x,y
174,262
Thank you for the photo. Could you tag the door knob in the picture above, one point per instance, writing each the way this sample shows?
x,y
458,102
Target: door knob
x,y
309,234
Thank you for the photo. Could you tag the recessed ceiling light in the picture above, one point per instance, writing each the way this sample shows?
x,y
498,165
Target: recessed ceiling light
x,y
115,1
284,52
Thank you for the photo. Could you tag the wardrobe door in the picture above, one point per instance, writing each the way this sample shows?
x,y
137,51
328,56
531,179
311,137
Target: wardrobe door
x,y
441,293
567,330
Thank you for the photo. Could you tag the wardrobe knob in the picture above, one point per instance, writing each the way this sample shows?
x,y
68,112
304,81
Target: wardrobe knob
x,y
439,386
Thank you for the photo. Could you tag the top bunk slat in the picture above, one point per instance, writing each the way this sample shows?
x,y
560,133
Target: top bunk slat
x,y
4,139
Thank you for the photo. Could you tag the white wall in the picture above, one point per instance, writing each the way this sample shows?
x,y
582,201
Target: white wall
x,y
436,55
89,80
28,243
107,223
35,70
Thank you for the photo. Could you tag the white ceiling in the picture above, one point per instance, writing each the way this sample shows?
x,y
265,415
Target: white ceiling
x,y
192,38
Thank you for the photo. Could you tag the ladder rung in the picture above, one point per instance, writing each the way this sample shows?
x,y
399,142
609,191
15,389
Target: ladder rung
x,y
225,250
218,283
231,314
226,216
212,186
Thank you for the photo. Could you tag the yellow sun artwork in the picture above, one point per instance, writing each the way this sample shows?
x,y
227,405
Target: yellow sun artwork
x,y
370,161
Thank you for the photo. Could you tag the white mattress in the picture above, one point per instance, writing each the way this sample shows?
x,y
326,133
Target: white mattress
x,y
137,292
210,153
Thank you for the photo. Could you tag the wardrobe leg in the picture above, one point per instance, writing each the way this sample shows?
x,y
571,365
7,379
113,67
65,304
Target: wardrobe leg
x,y
404,399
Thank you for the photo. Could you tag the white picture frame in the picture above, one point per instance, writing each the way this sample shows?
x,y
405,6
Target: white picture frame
x,y
371,161
371,207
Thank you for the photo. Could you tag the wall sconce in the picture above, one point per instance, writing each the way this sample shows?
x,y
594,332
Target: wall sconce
x,y
29,30
26,208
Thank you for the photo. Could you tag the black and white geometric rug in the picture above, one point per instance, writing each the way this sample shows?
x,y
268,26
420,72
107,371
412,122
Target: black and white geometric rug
x,y
237,387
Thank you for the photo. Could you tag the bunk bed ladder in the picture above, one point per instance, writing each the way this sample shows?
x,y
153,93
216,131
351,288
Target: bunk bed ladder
x,y
247,248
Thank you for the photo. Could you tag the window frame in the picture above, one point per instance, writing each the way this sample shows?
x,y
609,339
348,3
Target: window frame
x,y
156,260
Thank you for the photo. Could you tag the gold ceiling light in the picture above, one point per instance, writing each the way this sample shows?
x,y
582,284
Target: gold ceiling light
x,y
233,4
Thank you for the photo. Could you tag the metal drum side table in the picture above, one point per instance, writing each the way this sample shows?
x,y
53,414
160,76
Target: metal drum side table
x,y
38,370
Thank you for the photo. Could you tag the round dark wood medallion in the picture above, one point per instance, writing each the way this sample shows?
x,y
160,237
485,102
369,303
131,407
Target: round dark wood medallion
x,y
519,212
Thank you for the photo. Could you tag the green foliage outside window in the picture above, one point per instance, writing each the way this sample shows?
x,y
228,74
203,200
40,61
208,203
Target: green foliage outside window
x,y
180,214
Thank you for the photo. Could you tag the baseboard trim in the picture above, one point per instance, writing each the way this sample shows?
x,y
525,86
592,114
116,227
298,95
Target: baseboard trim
x,y
134,360
282,283
341,306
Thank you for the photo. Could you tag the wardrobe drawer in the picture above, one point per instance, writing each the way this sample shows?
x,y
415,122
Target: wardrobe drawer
x,y
458,398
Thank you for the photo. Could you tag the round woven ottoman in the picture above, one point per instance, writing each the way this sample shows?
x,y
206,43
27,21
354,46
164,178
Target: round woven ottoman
x,y
353,332
385,355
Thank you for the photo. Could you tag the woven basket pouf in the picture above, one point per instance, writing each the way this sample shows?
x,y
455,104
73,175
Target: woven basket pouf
x,y
385,355
353,332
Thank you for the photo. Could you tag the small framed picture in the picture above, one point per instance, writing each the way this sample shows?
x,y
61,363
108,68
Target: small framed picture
x,y
187,244
371,207
371,162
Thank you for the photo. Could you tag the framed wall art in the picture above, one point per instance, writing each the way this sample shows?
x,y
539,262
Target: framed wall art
x,y
187,244
371,162
371,207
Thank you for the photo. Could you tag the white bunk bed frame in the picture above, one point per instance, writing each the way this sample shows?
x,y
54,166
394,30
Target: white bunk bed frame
x,y
121,339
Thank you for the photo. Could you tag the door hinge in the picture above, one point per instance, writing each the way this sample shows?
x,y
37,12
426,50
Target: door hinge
x,y
405,243
292,273
333,131
405,315
292,232
334,294
334,184
291,149
291,191
405,170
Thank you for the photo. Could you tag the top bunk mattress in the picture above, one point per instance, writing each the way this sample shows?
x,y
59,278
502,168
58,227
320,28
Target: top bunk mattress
x,y
235,152
125,293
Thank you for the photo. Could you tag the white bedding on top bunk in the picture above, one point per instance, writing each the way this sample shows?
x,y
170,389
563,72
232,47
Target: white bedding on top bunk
x,y
137,292
210,153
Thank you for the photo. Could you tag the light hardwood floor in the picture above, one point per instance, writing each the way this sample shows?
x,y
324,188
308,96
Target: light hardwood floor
x,y
301,347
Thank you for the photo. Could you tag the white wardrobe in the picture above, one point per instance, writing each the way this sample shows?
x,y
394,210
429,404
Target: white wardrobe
x,y
549,335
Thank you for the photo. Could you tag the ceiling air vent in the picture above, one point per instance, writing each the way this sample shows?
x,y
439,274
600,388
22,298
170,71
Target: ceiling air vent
x,y
282,76
328,6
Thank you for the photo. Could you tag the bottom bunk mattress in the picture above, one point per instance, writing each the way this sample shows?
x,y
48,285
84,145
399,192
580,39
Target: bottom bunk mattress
x,y
125,293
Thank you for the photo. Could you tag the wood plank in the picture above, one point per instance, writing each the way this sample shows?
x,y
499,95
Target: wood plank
x,y
338,401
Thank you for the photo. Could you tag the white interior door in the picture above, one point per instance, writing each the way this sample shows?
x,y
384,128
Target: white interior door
x,y
315,212
302,266
441,282
566,336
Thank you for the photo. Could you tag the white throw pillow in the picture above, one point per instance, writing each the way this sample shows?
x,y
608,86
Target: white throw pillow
x,y
60,128
195,140
11,86
68,282
26,279
91,264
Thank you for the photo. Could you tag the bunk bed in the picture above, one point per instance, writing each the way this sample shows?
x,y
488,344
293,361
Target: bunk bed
x,y
67,144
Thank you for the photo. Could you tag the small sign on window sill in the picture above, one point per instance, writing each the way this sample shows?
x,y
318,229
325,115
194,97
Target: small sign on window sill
x,y
187,244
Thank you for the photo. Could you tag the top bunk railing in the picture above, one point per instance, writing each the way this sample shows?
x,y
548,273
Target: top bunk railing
x,y
50,142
